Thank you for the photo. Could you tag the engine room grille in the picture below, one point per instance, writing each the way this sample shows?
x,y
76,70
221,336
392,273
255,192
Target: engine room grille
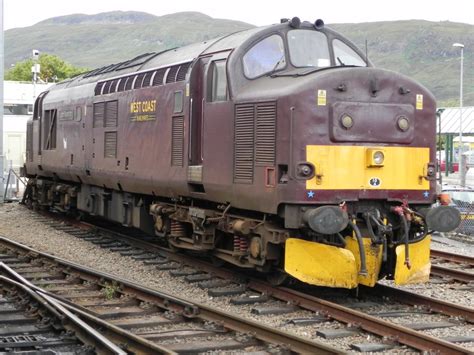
x,y
110,144
98,88
171,77
158,78
177,141
183,69
136,81
111,113
254,140
98,116
244,143
265,137
139,81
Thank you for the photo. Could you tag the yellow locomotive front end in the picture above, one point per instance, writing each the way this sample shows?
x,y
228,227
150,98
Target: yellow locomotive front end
x,y
371,170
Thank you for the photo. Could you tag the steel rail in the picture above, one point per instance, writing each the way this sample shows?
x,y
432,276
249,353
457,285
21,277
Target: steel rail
x,y
458,258
367,322
82,329
455,274
188,309
433,304
64,306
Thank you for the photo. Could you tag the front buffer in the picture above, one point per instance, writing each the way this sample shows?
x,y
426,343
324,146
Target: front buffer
x,y
331,266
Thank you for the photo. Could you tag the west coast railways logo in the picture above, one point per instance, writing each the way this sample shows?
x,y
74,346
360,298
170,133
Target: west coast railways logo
x,y
141,111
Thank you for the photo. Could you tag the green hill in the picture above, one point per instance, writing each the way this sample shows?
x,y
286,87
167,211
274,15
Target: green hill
x,y
420,49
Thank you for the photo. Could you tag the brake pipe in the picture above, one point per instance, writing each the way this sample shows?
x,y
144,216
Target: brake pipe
x,y
399,210
363,266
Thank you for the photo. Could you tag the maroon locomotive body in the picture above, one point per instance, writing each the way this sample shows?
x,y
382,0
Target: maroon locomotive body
x,y
278,148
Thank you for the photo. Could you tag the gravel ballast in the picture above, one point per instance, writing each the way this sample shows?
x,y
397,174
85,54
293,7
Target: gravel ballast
x,y
16,224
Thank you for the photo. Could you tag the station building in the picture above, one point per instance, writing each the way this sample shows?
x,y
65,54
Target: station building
x,y
19,97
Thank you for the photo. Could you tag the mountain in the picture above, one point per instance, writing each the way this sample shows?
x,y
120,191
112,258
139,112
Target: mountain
x,y
96,40
420,49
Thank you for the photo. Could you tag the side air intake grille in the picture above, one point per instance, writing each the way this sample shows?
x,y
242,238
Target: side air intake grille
x,y
265,137
244,143
171,77
110,144
158,78
177,141
111,113
183,69
139,81
98,116
98,88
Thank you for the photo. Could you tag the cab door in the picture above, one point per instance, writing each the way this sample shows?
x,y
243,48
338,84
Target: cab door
x,y
210,122
197,97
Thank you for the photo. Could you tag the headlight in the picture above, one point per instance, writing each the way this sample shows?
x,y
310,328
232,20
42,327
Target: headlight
x,y
375,157
378,157
347,121
403,123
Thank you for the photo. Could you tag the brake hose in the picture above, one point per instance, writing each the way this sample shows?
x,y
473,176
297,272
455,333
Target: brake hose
x,y
405,236
363,266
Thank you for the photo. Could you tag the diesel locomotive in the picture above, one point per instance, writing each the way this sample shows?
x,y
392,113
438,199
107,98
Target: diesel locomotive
x,y
280,149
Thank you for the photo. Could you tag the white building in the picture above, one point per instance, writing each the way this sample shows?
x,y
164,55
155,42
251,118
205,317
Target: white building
x,y
18,108
19,98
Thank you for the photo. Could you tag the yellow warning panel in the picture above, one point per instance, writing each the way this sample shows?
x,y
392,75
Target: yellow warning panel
x,y
345,167
320,264
419,102
321,97
373,259
420,265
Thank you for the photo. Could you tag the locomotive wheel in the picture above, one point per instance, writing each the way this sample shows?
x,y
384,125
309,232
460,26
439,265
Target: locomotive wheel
x,y
172,247
217,262
277,278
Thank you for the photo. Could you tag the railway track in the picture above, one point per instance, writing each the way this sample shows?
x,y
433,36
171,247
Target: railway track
x,y
222,282
32,322
146,320
452,266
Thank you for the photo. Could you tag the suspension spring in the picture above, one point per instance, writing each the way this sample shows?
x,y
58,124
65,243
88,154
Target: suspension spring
x,y
177,229
241,244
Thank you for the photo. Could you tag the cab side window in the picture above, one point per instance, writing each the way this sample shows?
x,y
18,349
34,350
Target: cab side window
x,y
217,81
345,55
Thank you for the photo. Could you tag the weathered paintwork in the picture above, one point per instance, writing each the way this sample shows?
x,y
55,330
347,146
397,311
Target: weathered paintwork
x,y
200,152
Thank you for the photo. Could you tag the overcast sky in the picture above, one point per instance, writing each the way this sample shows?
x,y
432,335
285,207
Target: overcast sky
x,y
21,13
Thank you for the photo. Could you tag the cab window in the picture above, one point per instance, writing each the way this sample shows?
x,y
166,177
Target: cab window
x,y
308,49
217,82
345,55
266,56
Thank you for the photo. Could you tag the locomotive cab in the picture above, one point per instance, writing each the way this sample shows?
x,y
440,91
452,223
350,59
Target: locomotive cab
x,y
344,132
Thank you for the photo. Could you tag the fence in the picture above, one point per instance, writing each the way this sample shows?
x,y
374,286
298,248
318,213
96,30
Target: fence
x,y
466,207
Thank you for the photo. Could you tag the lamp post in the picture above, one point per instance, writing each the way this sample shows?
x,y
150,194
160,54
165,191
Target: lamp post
x,y
1,100
462,170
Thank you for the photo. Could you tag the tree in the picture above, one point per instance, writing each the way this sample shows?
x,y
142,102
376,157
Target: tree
x,y
53,69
